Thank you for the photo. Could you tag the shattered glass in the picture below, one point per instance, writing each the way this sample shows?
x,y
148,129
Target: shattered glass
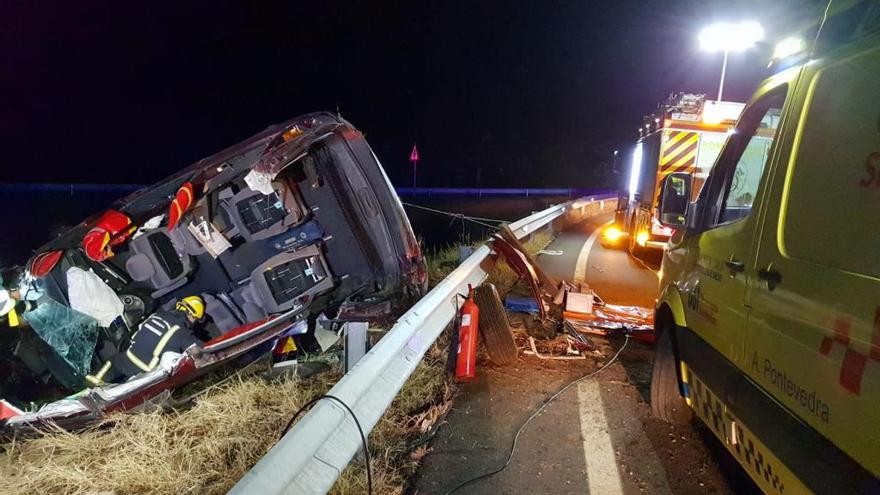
x,y
70,333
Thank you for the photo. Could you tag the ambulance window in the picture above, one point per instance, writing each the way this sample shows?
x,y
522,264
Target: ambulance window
x,y
710,147
734,185
830,212
747,175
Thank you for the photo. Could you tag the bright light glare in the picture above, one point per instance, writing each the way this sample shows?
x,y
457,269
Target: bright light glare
x,y
642,237
635,172
730,36
788,47
716,112
612,233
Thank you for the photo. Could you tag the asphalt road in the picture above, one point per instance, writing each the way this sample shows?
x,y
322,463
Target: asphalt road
x,y
612,273
599,436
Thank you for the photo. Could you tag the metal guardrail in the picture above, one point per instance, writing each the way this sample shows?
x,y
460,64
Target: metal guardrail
x,y
537,221
483,192
313,454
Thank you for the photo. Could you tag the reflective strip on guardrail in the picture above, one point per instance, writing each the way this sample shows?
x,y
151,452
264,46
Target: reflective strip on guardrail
x,y
313,454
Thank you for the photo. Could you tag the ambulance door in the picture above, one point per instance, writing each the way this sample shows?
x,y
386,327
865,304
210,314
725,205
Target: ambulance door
x,y
813,341
714,284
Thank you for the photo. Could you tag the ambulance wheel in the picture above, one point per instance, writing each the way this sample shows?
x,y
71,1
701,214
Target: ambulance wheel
x,y
494,326
666,400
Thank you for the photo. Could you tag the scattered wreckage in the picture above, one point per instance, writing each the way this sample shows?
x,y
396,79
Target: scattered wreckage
x,y
298,221
559,306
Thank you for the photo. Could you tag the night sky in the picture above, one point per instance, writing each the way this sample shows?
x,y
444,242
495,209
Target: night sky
x,y
514,93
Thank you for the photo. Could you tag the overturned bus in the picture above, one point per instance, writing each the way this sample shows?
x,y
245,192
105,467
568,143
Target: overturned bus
x,y
297,221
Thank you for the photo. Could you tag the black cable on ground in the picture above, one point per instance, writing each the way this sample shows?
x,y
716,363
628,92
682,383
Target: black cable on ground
x,y
356,422
534,415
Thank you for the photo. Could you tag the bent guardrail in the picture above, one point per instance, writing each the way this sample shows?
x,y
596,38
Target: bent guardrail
x,y
312,455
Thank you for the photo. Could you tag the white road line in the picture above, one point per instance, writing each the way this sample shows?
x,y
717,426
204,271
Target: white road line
x,y
602,473
580,267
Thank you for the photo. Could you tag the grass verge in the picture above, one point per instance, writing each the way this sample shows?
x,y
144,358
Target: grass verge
x,y
209,446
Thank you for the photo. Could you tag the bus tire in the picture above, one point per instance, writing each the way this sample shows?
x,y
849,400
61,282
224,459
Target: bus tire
x,y
494,326
666,400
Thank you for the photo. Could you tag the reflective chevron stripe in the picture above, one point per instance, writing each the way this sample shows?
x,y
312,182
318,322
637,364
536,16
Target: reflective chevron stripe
x,y
679,153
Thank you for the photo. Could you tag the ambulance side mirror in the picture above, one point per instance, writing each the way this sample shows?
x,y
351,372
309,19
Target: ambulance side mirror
x,y
674,198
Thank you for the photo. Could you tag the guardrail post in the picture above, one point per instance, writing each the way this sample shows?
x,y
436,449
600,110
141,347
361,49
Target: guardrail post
x,y
355,343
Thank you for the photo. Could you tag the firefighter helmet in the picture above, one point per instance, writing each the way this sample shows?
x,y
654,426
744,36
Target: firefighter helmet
x,y
193,306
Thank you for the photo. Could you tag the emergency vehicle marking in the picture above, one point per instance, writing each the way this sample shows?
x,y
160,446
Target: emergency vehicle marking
x,y
698,304
854,362
763,466
807,399
679,152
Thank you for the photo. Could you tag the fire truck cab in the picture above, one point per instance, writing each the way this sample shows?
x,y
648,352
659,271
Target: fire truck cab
x,y
684,135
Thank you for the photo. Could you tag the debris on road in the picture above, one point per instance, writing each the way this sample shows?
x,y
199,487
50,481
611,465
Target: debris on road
x,y
561,306
494,326
7,410
521,304
551,252
611,319
570,352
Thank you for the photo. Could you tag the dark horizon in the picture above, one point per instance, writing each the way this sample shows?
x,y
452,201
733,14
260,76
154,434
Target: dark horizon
x,y
497,94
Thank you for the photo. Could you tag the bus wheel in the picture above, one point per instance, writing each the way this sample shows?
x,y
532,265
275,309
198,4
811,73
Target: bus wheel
x,y
666,400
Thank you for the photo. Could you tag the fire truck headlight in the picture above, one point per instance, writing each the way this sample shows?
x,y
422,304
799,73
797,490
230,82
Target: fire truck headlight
x,y
612,234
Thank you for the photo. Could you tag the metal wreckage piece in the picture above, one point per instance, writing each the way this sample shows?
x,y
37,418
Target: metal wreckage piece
x,y
552,297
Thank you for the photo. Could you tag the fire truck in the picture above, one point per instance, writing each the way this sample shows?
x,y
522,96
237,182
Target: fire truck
x,y
684,135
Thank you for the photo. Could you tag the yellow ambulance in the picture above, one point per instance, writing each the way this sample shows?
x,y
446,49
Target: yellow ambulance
x,y
769,314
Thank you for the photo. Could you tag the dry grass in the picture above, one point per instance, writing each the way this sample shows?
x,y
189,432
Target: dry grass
x,y
399,441
441,262
202,449
209,446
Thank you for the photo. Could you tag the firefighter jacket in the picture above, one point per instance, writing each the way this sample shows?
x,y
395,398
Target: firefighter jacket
x,y
163,331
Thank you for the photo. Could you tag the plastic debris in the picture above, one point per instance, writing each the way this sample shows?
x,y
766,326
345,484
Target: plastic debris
x,y
551,252
520,304
7,410
534,352
609,318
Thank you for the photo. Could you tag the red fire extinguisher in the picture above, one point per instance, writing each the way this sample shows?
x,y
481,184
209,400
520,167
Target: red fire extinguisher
x,y
466,362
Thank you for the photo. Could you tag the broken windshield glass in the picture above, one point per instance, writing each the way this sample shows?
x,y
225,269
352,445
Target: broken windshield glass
x,y
70,333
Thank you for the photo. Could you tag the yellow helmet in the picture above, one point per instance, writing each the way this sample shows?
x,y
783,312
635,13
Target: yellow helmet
x,y
193,306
